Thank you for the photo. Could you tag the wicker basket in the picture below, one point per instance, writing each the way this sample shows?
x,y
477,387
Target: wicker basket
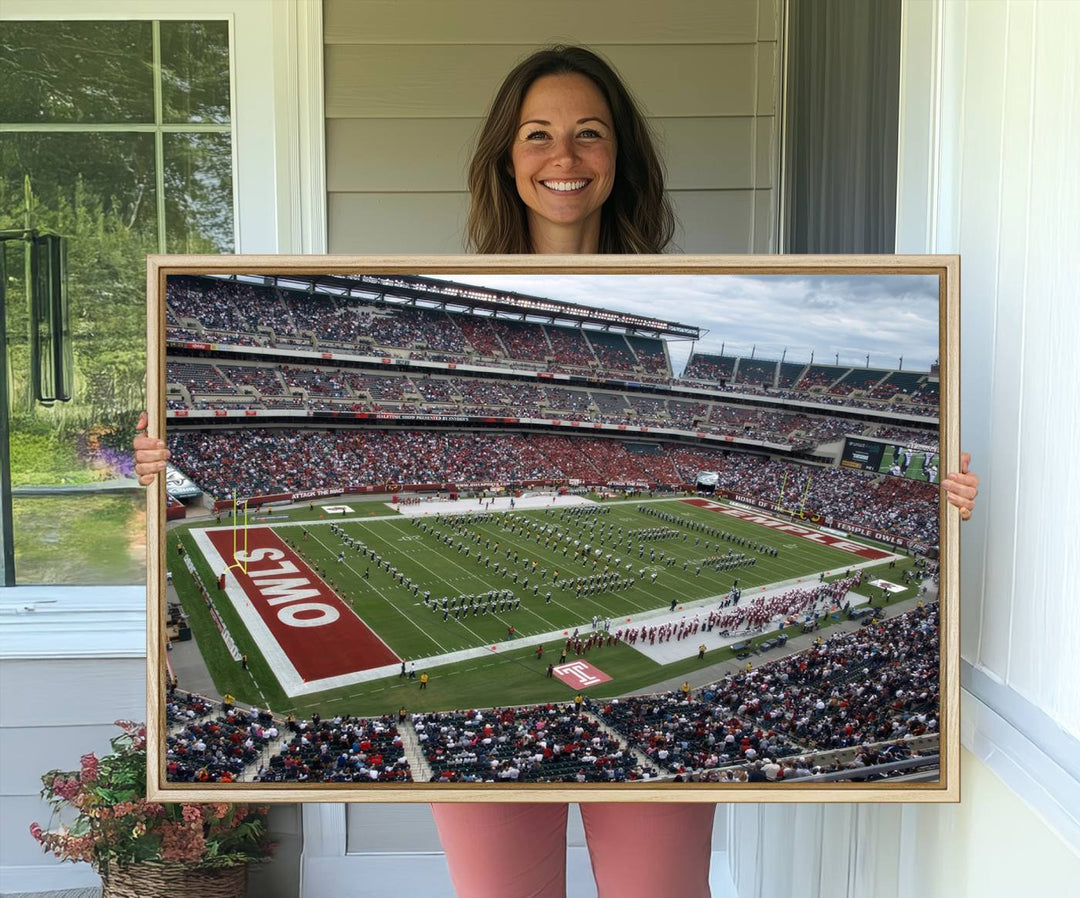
x,y
150,880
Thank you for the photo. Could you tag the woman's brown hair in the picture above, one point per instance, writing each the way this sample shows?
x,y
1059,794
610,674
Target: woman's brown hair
x,y
637,216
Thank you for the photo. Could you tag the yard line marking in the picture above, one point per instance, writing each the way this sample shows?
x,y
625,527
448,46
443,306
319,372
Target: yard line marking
x,y
383,596
481,639
509,538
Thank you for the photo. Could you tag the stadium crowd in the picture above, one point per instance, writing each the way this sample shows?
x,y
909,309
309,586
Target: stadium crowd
x,y
340,750
548,743
262,461
316,388
709,368
875,684
869,691
234,312
214,750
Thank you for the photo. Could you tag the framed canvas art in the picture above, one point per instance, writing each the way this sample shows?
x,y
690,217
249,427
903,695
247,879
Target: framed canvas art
x,y
553,528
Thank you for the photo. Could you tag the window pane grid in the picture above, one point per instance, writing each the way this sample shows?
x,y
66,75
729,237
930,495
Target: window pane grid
x,y
220,107
126,138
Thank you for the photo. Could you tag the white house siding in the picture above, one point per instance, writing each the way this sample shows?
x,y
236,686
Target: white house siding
x,y
408,83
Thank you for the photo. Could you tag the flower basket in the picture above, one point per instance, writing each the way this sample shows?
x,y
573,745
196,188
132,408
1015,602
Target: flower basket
x,y
166,880
146,849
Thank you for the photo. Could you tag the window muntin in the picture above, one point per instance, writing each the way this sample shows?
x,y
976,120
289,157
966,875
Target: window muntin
x,y
118,136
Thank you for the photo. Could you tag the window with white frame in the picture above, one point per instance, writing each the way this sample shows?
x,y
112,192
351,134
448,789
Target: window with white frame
x,y
118,136
276,125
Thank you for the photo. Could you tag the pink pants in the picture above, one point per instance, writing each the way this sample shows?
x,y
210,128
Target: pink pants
x,y
519,850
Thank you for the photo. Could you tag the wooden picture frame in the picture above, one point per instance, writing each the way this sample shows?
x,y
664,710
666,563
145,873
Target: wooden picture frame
x,y
371,394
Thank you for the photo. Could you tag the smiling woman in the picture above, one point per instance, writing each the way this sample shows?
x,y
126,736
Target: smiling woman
x,y
563,162
563,117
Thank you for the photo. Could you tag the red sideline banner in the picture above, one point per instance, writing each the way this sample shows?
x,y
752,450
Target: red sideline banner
x,y
316,494
256,501
757,503
886,538
779,525
304,495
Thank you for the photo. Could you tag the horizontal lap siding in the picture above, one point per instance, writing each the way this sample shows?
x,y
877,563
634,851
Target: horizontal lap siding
x,y
79,699
407,85
708,220
402,155
460,80
713,221
72,692
31,750
526,23
396,222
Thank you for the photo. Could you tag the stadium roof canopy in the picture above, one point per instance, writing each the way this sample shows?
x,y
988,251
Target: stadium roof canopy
x,y
432,293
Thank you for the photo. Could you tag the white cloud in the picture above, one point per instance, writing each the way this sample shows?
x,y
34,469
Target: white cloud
x,y
885,316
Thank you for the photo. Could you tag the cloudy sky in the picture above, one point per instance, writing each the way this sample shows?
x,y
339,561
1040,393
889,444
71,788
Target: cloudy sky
x,y
885,316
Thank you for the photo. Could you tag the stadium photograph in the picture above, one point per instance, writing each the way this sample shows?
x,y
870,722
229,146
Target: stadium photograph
x,y
551,529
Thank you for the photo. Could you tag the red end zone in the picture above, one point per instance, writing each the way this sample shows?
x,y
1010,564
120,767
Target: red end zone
x,y
316,630
815,536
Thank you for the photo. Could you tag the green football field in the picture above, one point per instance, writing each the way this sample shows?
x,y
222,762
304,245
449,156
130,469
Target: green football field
x,y
515,543
454,557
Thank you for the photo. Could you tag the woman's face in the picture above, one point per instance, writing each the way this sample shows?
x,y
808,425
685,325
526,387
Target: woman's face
x,y
563,161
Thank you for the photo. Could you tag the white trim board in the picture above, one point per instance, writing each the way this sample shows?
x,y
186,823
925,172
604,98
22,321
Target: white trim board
x,y
42,622
1043,777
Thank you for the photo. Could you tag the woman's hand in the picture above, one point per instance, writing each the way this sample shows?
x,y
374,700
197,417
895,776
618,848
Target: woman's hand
x,y
962,488
150,454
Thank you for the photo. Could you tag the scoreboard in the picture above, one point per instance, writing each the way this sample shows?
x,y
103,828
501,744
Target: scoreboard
x,y
897,458
863,454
